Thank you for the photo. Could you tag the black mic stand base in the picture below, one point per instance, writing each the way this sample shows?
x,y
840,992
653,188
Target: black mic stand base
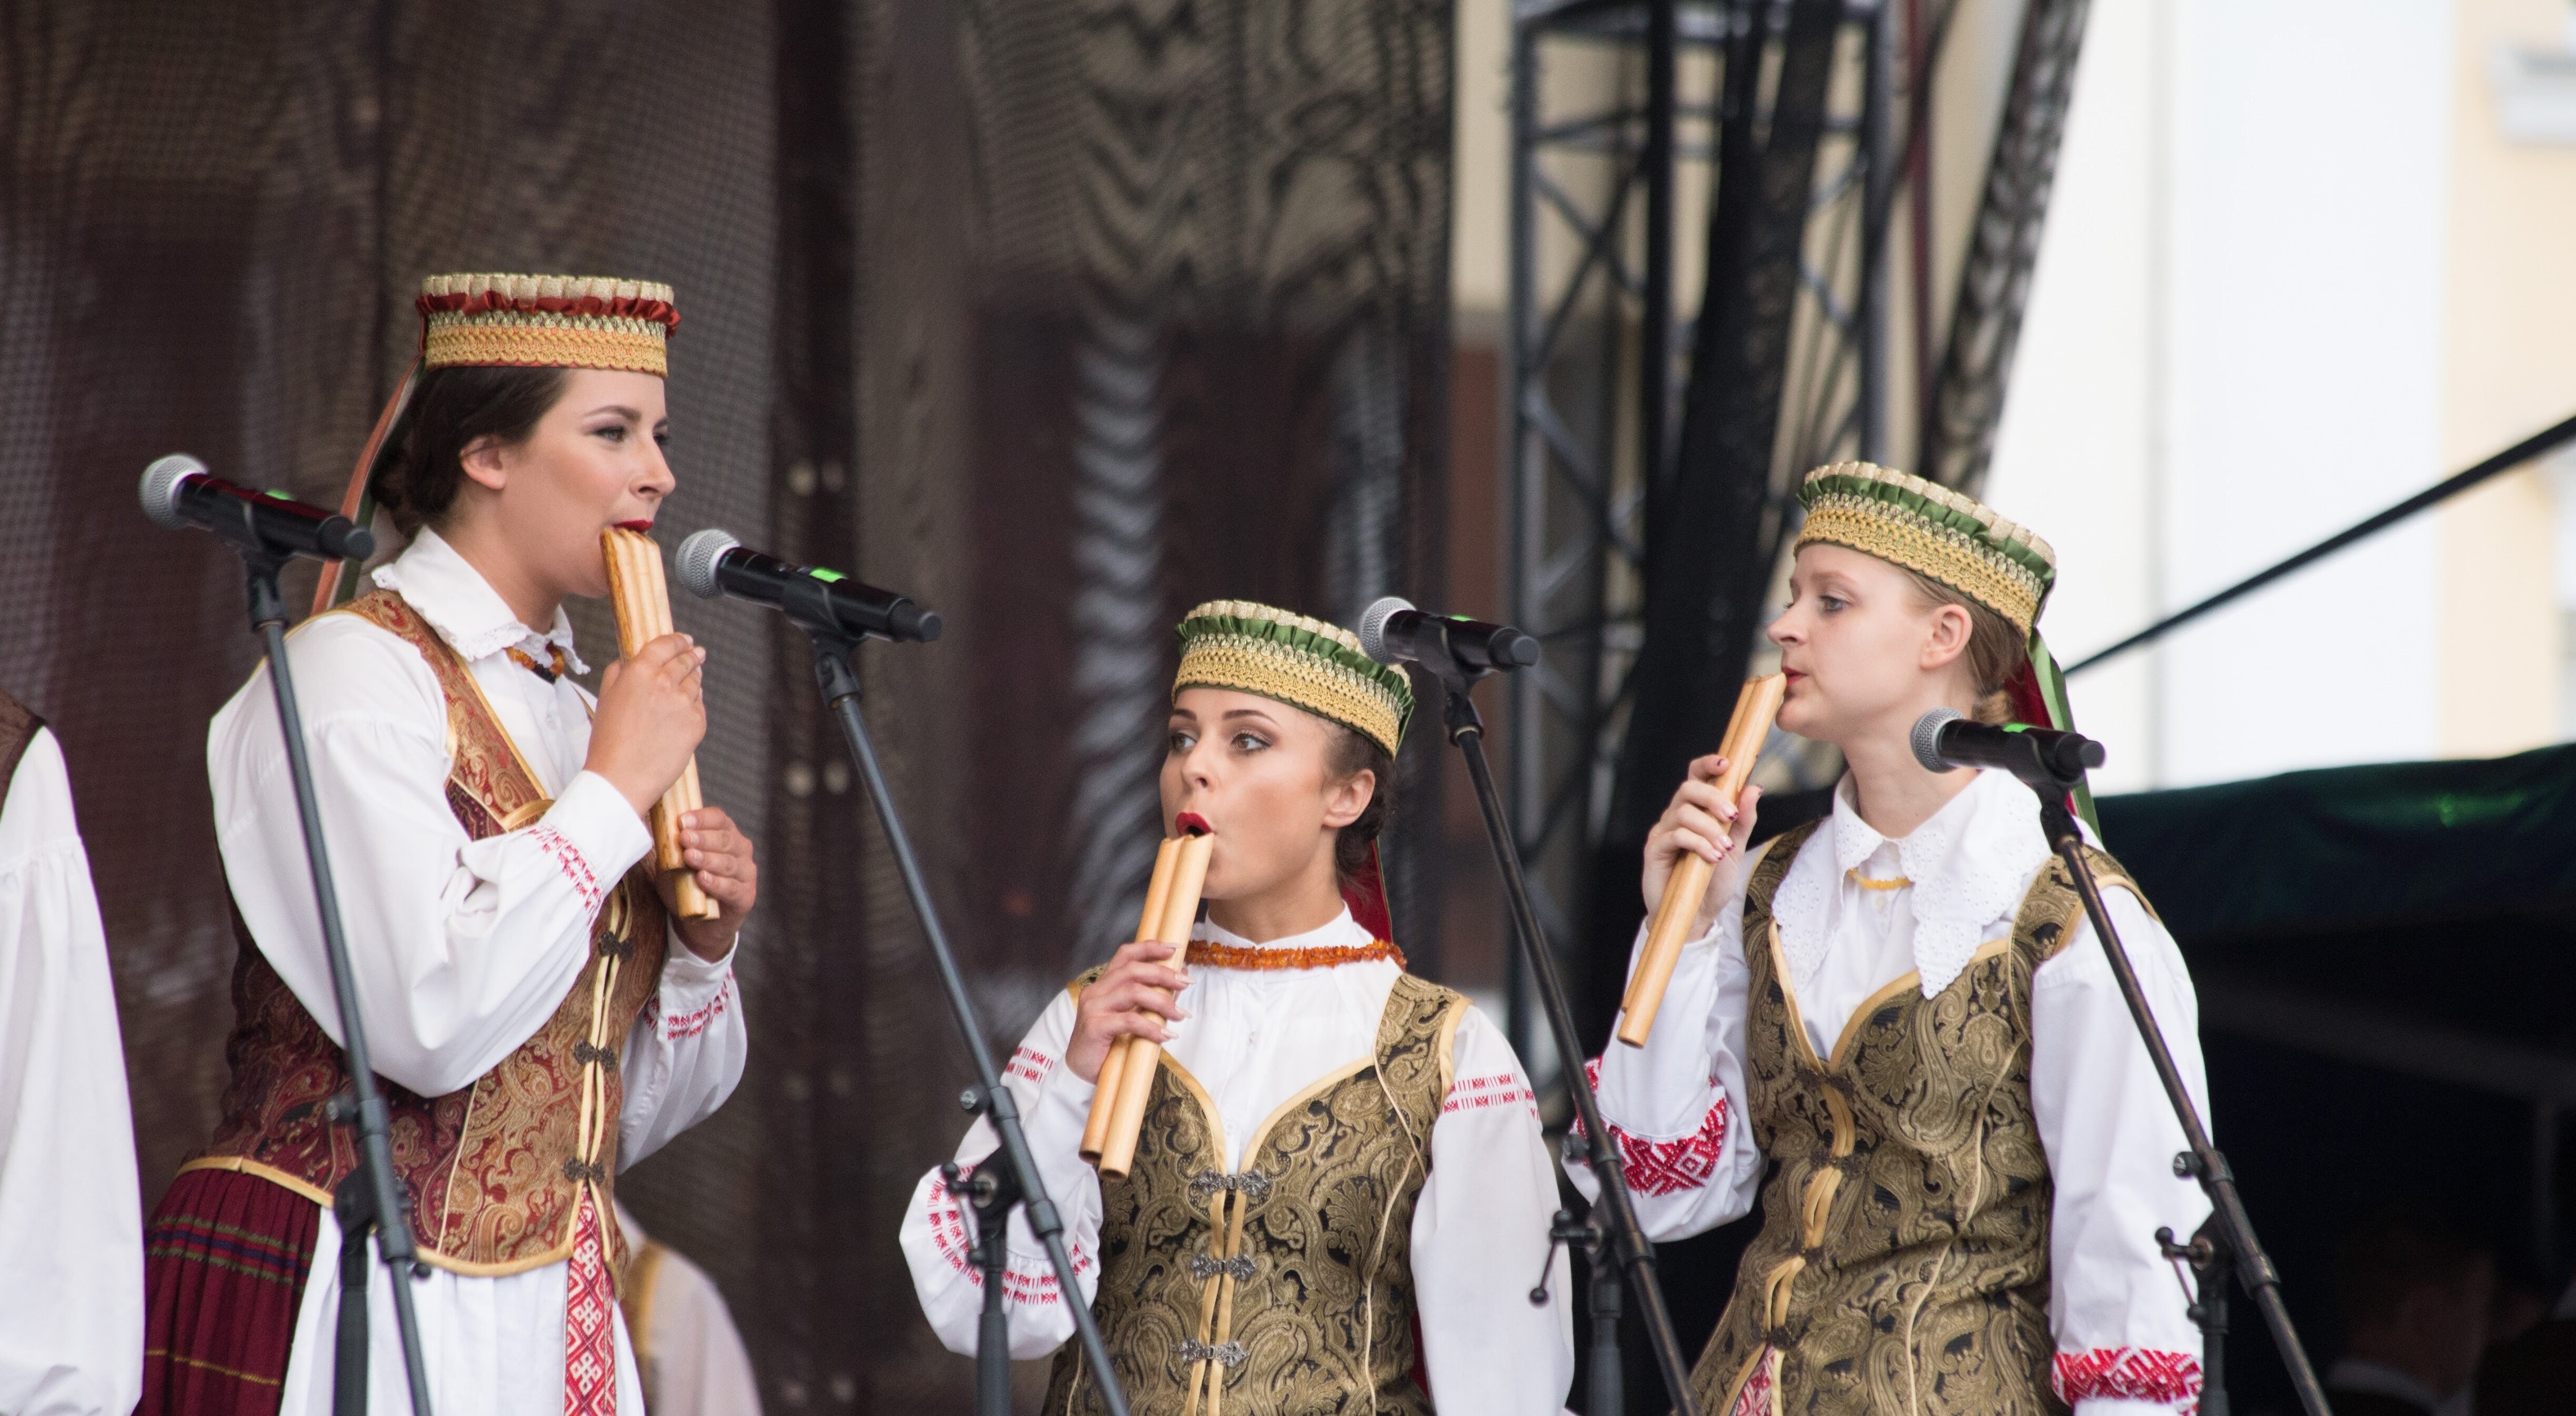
x,y
369,1203
2226,1243
1613,1225
993,1188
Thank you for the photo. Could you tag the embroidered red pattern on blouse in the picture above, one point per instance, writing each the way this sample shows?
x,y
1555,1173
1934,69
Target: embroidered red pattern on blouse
x,y
1481,1093
687,1025
1668,1167
2137,1373
948,1231
568,859
1028,1064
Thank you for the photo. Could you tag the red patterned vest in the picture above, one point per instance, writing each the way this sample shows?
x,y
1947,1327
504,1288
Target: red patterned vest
x,y
495,1172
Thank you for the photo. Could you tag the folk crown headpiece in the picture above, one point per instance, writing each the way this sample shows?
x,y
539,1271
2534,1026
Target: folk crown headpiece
x,y
1931,530
546,321
1302,662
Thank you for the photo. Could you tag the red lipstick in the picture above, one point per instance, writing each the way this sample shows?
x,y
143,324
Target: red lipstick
x,y
1193,824
640,528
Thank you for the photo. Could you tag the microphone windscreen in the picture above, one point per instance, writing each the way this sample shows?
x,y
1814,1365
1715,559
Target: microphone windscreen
x,y
1927,737
1373,626
695,563
161,488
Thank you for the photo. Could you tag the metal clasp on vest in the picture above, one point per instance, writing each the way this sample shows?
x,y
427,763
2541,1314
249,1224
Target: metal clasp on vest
x,y
1204,1267
583,1052
592,1171
1224,1354
1251,1184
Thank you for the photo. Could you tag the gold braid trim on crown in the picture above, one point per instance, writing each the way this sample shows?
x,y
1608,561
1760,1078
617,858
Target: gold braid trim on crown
x,y
546,321
1875,511
1225,647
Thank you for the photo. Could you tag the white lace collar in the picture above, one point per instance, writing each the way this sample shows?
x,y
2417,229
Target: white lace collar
x,y
1343,932
464,608
1969,864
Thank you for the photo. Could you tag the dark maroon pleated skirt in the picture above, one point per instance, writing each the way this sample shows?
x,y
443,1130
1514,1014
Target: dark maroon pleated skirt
x,y
224,1264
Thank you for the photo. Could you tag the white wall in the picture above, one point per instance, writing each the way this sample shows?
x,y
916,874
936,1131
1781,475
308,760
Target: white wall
x,y
2234,347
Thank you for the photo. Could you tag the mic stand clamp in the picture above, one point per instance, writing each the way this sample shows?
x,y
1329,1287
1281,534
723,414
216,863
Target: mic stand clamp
x,y
368,1201
1015,1180
1613,1242
2225,1244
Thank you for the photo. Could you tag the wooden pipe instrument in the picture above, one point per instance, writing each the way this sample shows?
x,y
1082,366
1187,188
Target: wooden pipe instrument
x,y
1755,706
643,601
1126,1079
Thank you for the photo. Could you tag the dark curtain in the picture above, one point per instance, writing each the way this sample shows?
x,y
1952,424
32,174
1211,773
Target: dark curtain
x,y
1061,315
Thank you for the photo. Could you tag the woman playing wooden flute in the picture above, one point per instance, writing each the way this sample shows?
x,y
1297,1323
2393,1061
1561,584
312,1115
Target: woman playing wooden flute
x,y
1333,1147
537,1022
1901,1010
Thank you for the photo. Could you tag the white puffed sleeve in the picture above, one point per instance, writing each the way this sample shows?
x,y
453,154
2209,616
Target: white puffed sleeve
x,y
1674,1105
1480,1238
461,948
2124,1341
938,1227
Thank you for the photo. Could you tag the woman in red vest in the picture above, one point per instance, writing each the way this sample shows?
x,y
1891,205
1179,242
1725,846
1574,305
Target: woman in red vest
x,y
538,1017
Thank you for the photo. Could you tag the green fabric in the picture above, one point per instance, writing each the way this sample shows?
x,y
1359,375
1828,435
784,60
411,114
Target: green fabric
x,y
2061,716
1308,642
1949,518
2344,847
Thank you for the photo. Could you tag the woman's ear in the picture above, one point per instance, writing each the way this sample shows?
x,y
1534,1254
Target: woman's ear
x,y
484,462
1346,801
1949,629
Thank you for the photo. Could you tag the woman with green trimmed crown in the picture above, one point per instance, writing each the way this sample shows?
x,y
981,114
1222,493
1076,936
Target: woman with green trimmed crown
x,y
1340,1195
1898,1025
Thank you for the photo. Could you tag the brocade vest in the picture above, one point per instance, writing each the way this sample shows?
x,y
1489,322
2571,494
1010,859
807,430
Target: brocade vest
x,y
494,1173
1902,1265
1284,1289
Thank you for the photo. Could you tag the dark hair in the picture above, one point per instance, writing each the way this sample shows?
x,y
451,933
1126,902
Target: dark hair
x,y
451,409
1354,752
1995,648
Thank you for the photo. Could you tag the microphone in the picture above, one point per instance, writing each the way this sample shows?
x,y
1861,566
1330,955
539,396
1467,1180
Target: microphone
x,y
178,492
2042,757
1393,631
712,563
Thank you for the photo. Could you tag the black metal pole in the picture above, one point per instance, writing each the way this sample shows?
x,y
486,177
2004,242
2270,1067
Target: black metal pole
x,y
2562,431
1614,1216
840,689
2231,1231
369,1200
1655,327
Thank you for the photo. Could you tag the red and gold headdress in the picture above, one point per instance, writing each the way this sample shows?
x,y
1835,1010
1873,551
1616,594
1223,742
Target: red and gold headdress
x,y
522,321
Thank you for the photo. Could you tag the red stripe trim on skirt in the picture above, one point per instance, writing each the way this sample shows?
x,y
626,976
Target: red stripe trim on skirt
x,y
224,1265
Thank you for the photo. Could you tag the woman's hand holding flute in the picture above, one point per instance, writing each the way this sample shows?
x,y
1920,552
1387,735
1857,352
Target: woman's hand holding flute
x,y
1134,996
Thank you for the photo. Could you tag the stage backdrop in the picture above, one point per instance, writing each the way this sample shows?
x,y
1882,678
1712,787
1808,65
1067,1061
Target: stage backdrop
x,y
1059,314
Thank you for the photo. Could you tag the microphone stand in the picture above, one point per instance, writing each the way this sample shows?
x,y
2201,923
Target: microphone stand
x,y
990,1190
2226,1243
368,1201
1612,1224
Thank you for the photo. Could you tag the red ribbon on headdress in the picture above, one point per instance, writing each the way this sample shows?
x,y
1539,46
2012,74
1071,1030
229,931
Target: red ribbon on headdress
x,y
1365,893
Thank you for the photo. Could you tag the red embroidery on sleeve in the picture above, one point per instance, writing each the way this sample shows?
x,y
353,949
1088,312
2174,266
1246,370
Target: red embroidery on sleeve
x,y
687,1025
2137,1373
1482,1093
949,1234
1668,1167
1029,1065
568,859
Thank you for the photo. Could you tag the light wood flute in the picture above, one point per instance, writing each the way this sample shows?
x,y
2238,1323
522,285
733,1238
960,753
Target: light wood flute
x,y
1755,706
1126,1080
643,600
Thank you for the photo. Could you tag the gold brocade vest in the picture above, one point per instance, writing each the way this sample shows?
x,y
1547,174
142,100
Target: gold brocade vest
x,y
1902,1265
495,1172
1285,1289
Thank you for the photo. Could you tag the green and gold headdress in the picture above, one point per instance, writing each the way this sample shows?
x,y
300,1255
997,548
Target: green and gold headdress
x,y
1958,541
1929,529
1302,662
